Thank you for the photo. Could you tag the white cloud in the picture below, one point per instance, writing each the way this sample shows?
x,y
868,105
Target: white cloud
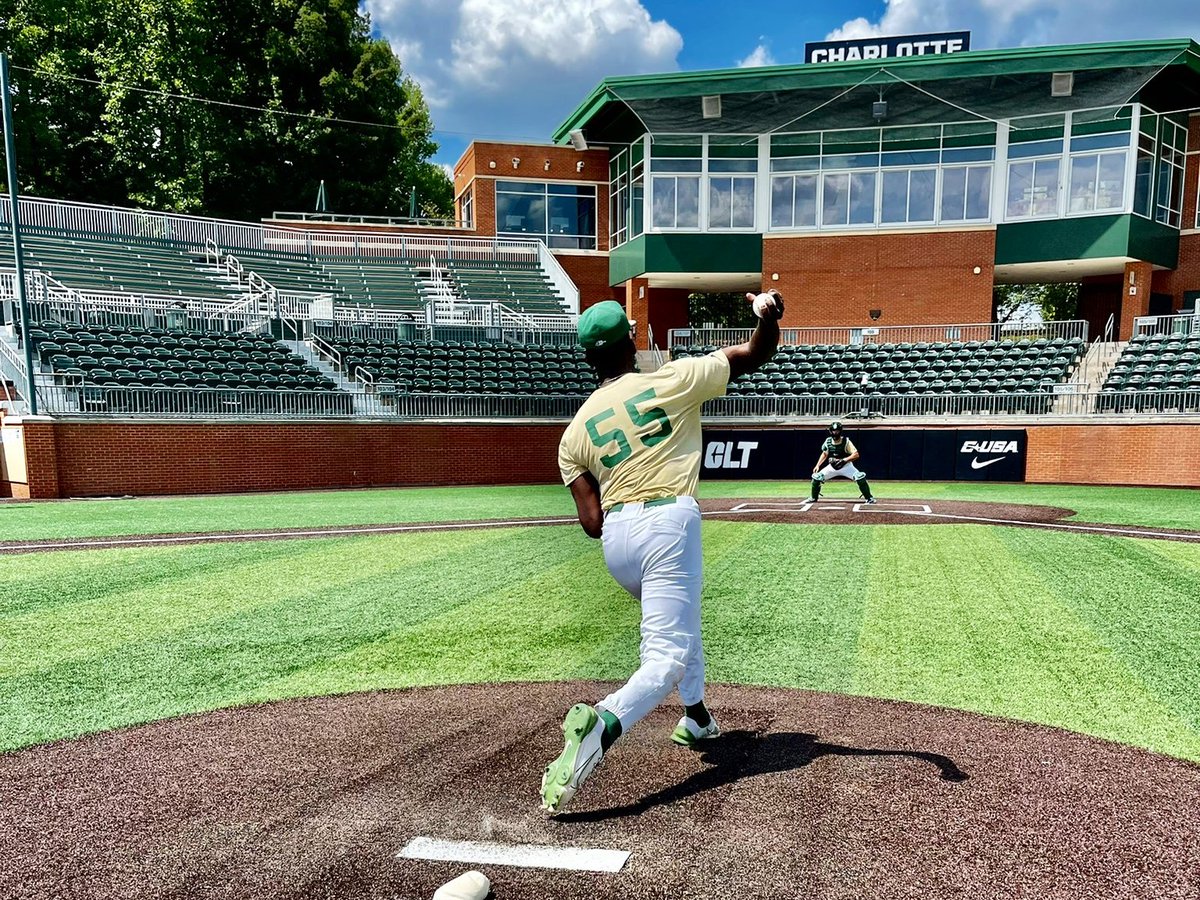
x,y
519,67
1015,23
759,56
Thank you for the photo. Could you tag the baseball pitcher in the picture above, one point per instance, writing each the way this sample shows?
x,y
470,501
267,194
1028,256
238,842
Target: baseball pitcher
x,y
631,457
838,455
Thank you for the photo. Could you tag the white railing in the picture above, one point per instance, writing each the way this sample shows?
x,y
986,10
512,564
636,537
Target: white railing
x,y
1177,325
326,351
563,285
121,222
886,334
384,401
345,218
39,212
12,368
1056,404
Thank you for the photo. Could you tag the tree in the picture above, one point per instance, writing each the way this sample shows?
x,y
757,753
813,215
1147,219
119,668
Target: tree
x,y
1022,302
279,72
723,310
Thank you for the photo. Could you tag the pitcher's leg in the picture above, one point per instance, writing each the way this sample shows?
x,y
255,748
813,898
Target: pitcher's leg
x,y
670,599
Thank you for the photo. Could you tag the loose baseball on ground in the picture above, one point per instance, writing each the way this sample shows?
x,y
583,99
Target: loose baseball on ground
x,y
467,886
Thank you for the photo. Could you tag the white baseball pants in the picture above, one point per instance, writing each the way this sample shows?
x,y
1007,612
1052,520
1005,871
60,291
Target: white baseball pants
x,y
654,553
846,471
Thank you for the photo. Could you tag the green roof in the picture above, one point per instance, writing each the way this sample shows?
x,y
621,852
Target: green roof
x,y
1148,56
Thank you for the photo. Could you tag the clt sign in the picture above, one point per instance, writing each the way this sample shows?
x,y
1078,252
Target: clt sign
x,y
888,47
728,454
933,454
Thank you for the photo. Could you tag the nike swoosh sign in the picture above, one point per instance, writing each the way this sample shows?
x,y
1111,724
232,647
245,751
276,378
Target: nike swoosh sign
x,y
976,464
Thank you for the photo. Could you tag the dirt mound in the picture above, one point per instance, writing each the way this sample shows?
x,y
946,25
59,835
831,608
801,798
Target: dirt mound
x,y
805,795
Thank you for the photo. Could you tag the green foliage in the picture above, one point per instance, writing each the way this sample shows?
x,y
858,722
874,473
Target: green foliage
x,y
1053,302
106,142
723,310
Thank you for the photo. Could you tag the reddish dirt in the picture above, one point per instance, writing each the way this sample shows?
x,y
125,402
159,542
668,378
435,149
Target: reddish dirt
x,y
806,795
792,510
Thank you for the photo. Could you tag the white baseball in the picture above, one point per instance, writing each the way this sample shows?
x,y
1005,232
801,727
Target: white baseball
x,y
763,303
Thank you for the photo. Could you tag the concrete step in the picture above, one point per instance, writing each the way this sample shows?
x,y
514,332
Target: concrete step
x,y
362,404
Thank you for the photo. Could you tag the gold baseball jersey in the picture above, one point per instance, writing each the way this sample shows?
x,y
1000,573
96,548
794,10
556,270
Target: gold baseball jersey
x,y
640,434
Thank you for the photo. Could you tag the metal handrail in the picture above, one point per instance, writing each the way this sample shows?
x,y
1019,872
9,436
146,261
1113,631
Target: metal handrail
x,y
1180,325
73,397
419,221
887,334
325,349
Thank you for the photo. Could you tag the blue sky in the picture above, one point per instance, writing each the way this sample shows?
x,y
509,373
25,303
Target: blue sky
x,y
513,69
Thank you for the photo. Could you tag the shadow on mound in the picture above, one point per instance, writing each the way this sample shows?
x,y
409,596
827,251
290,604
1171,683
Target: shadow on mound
x,y
738,755
805,795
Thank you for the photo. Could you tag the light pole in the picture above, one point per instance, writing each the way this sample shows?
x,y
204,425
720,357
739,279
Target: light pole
x,y
10,155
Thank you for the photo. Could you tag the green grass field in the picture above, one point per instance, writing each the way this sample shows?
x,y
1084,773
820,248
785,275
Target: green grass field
x,y
1093,633
1161,507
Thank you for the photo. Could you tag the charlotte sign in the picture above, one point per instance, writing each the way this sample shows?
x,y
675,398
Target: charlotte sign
x,y
888,47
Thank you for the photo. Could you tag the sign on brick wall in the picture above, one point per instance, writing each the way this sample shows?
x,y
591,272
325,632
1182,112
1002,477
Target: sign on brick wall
x,y
960,454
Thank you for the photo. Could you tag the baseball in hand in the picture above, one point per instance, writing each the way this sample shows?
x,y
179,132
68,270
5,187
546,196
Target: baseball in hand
x,y
764,305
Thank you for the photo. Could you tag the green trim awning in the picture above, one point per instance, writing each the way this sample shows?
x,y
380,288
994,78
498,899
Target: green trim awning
x,y
755,100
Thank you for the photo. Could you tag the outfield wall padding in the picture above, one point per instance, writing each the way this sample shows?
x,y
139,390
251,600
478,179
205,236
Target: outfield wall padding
x,y
98,459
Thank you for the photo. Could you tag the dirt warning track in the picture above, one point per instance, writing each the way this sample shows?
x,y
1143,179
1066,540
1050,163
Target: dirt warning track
x,y
806,795
794,510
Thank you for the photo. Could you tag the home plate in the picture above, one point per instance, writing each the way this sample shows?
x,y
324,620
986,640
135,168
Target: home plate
x,y
529,856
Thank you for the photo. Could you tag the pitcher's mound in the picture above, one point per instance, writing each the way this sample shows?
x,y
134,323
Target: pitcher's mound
x,y
805,795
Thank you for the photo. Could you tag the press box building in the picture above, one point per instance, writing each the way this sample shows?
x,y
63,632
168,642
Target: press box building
x,y
871,192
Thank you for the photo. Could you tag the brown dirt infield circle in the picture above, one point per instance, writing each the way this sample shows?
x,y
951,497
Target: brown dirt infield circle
x,y
789,510
805,795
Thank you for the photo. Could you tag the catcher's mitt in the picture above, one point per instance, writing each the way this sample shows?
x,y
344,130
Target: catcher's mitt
x,y
837,463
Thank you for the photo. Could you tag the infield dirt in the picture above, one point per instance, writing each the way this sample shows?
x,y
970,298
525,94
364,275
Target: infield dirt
x,y
805,795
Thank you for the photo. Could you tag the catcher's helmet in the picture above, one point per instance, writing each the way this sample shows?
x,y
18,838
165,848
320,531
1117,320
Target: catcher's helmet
x,y
835,429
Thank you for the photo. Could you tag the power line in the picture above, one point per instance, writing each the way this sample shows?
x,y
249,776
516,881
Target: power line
x,y
193,98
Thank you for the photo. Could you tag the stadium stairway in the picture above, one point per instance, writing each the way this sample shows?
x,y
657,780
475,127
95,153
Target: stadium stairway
x,y
10,400
318,362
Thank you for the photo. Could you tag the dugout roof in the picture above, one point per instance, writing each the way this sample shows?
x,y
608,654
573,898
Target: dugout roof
x,y
972,85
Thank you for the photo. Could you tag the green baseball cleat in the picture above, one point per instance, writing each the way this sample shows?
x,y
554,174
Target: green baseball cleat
x,y
582,729
687,733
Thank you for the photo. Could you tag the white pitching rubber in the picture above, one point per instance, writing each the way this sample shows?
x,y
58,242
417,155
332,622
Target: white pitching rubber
x,y
467,886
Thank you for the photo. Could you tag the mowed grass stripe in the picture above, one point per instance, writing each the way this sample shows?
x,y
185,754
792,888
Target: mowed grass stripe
x,y
783,603
956,618
969,616
1158,507
331,597
245,590
554,615
37,583
1139,597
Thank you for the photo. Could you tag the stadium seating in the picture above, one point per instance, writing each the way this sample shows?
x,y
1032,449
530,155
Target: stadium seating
x,y
155,370
291,272
467,367
1027,369
524,288
109,264
1154,372
379,283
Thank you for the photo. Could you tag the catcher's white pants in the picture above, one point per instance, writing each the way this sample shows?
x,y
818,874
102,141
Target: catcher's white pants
x,y
654,553
846,471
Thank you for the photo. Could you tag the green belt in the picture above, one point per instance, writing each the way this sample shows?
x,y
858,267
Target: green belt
x,y
661,501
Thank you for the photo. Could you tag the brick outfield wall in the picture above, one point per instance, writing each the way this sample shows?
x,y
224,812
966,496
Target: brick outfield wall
x,y
106,459
914,279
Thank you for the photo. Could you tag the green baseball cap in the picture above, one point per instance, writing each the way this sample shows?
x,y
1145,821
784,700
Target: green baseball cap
x,y
603,324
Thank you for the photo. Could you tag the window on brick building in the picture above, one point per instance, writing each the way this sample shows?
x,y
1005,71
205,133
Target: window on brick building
x,y
466,208
562,215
